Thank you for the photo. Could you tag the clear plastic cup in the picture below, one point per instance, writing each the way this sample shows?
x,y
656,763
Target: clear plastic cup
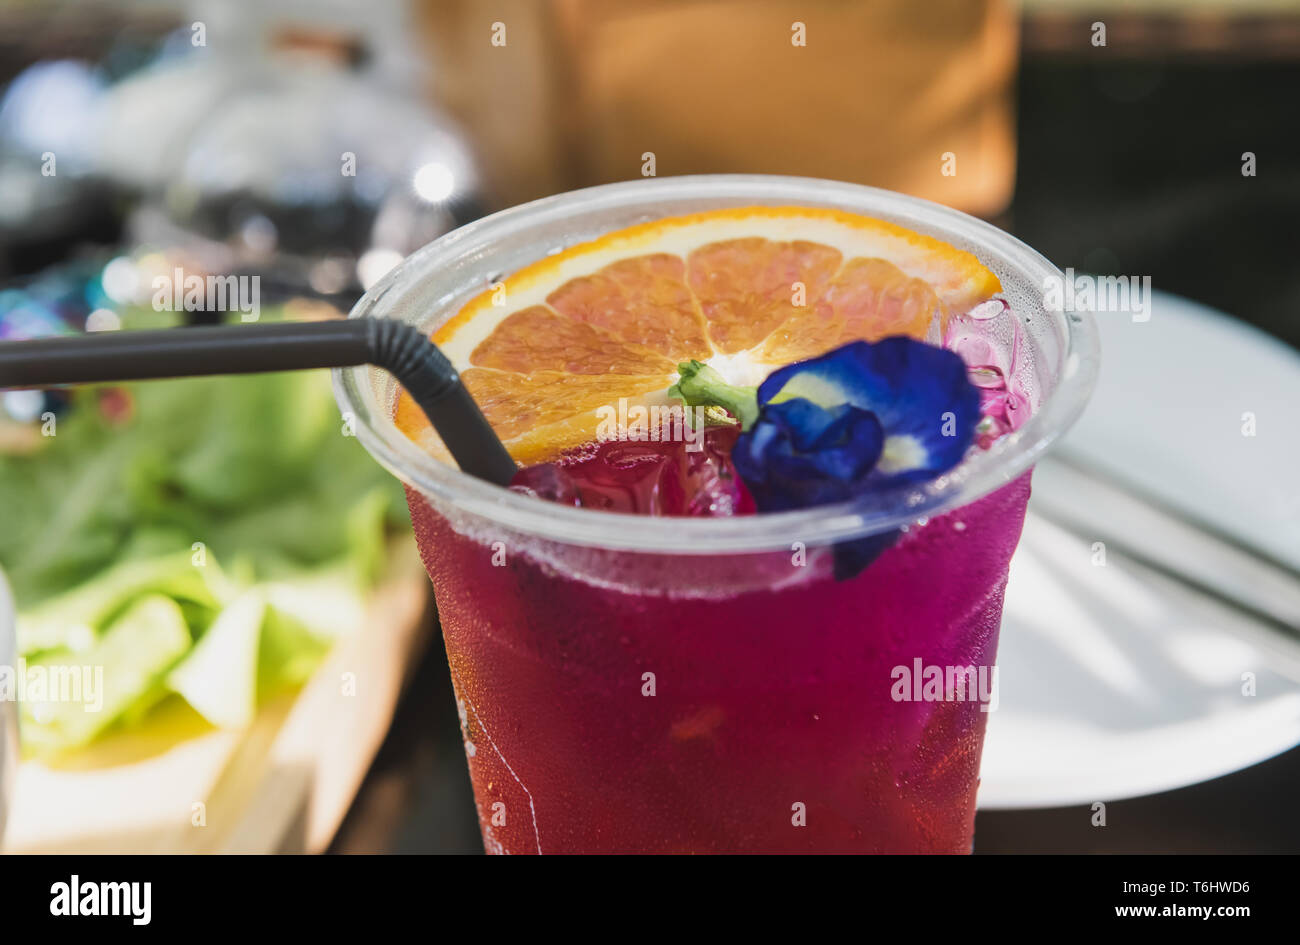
x,y
629,683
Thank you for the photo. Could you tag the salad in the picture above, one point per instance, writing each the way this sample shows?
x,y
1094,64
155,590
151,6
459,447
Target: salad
x,y
203,539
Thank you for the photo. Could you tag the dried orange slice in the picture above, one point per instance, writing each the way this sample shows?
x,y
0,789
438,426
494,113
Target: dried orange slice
x,y
746,290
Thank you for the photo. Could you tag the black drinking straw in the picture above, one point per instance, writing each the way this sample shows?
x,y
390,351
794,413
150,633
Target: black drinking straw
x,y
394,346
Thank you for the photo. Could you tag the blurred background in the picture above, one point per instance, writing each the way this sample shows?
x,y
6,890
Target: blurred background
x,y
315,144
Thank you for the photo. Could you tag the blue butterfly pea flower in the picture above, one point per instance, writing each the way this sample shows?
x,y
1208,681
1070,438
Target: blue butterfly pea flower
x,y
799,453
862,418
920,394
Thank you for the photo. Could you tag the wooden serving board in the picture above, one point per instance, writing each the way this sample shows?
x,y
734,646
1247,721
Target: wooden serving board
x,y
282,785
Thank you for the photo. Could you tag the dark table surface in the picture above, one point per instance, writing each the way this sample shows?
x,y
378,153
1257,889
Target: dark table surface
x,y
1127,164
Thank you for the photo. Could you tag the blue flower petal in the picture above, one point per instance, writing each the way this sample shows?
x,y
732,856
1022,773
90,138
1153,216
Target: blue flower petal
x,y
799,454
920,393
851,557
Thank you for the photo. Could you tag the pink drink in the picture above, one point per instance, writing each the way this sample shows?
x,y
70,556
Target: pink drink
x,y
774,695
699,680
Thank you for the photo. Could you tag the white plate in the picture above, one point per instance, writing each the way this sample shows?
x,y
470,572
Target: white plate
x,y
1116,683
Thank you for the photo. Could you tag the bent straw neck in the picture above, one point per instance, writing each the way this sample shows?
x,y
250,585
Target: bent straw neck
x,y
394,346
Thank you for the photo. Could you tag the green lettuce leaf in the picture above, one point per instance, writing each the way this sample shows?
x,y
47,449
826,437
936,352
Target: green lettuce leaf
x,y
84,693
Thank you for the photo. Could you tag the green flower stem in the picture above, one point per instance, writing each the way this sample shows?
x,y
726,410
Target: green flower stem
x,y
702,386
